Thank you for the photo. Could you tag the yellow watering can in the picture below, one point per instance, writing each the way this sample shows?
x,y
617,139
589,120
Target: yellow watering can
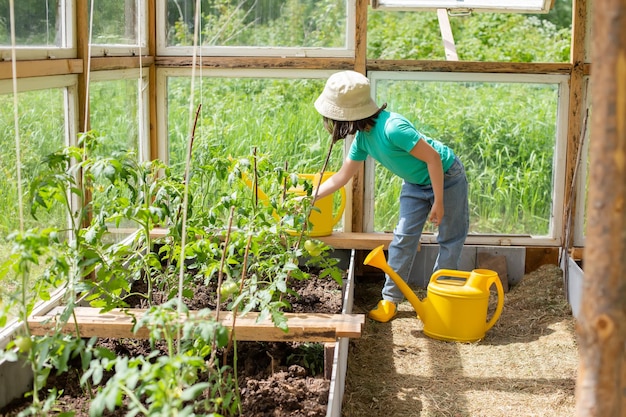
x,y
455,308
321,219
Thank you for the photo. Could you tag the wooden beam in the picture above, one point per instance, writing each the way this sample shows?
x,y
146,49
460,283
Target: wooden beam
x,y
357,191
220,62
469,66
50,67
360,37
303,327
575,135
601,322
82,48
119,62
41,68
152,84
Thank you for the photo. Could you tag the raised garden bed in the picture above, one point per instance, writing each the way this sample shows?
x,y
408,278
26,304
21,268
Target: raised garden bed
x,y
300,372
222,257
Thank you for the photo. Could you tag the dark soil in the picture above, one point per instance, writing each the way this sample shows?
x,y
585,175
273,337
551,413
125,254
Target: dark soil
x,y
271,381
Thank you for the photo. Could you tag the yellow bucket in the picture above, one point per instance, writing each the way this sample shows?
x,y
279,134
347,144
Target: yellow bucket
x,y
322,219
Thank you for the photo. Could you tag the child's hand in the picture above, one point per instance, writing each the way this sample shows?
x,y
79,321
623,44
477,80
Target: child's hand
x,y
436,214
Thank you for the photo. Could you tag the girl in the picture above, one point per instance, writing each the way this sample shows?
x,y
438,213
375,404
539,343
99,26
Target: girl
x,y
434,188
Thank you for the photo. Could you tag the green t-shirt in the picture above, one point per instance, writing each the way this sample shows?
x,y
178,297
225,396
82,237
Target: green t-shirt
x,y
390,142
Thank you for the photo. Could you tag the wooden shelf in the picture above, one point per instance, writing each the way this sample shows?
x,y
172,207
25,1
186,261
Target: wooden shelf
x,y
359,241
303,327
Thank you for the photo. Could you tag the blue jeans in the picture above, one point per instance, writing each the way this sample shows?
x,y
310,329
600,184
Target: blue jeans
x,y
415,205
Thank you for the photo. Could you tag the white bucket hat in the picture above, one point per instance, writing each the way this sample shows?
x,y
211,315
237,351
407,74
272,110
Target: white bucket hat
x,y
346,97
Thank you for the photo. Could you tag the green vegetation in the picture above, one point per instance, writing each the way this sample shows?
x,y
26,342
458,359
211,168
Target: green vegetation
x,y
505,135
42,131
276,116
271,23
260,128
478,37
237,239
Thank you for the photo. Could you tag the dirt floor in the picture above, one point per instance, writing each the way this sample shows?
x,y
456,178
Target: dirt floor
x,y
525,366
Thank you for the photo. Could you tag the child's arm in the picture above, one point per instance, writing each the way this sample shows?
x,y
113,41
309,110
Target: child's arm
x,y
424,152
341,178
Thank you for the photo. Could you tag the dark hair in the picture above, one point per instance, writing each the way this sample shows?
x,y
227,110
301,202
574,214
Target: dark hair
x,y
340,129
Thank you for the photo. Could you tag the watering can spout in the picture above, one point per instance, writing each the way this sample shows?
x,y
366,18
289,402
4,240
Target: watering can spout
x,y
377,258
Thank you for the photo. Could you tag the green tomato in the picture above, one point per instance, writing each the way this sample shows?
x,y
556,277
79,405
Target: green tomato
x,y
228,287
23,343
313,248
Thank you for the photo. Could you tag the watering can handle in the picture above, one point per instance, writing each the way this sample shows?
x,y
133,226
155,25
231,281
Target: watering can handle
x,y
500,305
448,273
465,274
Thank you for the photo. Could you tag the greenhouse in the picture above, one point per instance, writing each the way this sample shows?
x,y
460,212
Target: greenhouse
x,y
194,225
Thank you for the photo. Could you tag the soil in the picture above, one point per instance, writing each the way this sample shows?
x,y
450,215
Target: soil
x,y
272,383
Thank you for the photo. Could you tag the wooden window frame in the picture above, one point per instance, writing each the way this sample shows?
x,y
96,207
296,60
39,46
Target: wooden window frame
x,y
257,51
554,236
141,48
465,6
68,50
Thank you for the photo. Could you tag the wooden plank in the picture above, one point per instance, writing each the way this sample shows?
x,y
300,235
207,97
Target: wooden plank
x,y
303,327
256,62
446,35
470,66
359,241
152,83
577,253
360,37
41,68
537,256
575,123
119,62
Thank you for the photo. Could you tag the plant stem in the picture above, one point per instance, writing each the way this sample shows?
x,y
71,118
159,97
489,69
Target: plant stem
x,y
183,207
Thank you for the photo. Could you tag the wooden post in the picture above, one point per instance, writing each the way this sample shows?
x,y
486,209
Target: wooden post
x,y
360,61
82,48
84,124
152,97
601,328
575,123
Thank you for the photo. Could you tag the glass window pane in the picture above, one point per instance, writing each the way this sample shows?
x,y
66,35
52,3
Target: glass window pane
x,y
262,23
488,37
534,6
38,23
275,116
505,134
115,22
114,113
42,131
114,116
